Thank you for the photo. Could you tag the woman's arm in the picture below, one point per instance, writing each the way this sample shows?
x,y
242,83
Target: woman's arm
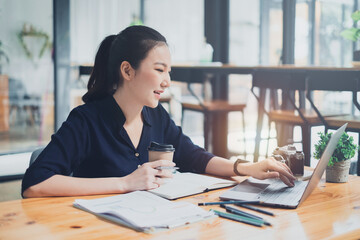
x,y
268,168
59,185
144,178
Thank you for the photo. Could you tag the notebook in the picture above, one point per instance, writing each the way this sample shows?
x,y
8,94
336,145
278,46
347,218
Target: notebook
x,y
186,184
143,211
273,192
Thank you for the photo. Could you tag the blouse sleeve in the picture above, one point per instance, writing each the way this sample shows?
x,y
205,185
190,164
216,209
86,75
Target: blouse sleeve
x,y
188,156
64,152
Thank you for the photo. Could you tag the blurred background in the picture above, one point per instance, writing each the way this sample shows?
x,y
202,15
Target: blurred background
x,y
40,84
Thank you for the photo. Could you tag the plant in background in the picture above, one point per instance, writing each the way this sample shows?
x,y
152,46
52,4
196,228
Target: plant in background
x,y
29,30
353,33
345,148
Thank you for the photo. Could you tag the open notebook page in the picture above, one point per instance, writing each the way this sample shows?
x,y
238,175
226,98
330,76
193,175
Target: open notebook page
x,y
185,184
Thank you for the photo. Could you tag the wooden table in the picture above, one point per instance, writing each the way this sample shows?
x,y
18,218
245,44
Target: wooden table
x,y
331,211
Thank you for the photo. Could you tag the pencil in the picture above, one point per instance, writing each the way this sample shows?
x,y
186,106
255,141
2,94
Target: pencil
x,y
228,202
255,209
245,214
238,218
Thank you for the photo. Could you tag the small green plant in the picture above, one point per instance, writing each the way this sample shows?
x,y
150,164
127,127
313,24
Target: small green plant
x,y
29,30
353,33
345,148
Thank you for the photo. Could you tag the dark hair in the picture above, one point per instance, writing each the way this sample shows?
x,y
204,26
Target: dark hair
x,y
133,45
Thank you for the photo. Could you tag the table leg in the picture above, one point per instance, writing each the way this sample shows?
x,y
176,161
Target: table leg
x,y
219,143
261,104
306,142
220,130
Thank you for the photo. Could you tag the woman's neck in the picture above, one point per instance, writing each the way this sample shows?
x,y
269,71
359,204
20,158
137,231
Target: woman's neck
x,y
129,106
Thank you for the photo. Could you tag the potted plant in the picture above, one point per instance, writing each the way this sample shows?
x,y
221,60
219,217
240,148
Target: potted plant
x,y
29,31
338,167
353,34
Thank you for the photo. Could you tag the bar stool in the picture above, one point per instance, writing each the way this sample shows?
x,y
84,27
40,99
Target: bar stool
x,y
346,81
210,107
288,81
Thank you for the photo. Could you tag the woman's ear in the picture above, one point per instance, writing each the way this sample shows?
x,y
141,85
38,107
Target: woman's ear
x,y
126,70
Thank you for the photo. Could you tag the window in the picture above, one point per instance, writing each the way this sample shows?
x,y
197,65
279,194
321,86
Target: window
x,y
318,27
92,21
26,80
244,32
181,22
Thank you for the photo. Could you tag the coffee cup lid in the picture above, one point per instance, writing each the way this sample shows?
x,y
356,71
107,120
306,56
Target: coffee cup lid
x,y
160,147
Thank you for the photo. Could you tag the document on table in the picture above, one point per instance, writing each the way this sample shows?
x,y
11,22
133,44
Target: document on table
x,y
144,211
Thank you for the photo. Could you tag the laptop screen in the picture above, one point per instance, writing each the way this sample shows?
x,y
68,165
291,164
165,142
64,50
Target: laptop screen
x,y
323,162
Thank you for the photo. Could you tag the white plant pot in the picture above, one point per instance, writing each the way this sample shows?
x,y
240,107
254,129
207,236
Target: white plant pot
x,y
339,172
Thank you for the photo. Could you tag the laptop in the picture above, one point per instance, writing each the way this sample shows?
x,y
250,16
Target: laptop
x,y
273,192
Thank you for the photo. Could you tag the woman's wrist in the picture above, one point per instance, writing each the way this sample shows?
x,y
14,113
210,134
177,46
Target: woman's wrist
x,y
240,167
120,185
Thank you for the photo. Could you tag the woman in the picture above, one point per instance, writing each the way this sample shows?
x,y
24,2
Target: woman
x,y
103,143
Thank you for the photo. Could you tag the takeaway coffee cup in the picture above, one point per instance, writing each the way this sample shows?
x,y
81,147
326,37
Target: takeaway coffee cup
x,y
159,151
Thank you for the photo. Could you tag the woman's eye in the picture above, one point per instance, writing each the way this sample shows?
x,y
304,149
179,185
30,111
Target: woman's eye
x,y
159,70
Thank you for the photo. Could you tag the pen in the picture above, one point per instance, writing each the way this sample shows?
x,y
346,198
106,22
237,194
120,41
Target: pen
x,y
255,209
245,214
227,202
163,168
251,221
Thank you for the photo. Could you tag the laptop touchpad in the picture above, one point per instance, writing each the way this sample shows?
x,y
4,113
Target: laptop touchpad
x,y
250,187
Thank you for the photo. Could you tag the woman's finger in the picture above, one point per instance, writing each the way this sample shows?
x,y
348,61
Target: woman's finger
x,y
267,175
283,170
162,163
286,166
159,181
287,181
165,173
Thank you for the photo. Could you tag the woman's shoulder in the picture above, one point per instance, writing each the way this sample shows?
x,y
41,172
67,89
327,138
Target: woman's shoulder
x,y
86,108
89,110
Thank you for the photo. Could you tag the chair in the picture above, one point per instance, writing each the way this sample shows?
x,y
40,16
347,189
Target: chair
x,y
25,107
35,155
345,81
292,113
209,108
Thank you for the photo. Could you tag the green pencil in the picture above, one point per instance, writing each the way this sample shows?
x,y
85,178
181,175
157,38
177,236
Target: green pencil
x,y
238,218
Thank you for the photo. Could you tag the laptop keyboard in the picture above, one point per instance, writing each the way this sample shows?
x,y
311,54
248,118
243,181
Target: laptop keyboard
x,y
278,193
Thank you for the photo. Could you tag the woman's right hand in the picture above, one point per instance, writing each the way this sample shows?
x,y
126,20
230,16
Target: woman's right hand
x,y
147,176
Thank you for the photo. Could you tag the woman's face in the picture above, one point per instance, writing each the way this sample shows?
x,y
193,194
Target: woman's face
x,y
152,77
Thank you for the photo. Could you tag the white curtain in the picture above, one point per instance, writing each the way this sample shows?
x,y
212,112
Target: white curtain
x,y
92,20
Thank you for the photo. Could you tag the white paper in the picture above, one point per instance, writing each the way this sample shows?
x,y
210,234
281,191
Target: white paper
x,y
144,210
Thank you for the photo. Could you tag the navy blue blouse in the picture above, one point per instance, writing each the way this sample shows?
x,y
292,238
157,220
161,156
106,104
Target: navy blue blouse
x,y
92,142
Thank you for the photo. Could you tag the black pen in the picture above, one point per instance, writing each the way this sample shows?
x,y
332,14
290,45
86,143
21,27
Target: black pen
x,y
166,168
251,221
255,209
245,214
228,202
